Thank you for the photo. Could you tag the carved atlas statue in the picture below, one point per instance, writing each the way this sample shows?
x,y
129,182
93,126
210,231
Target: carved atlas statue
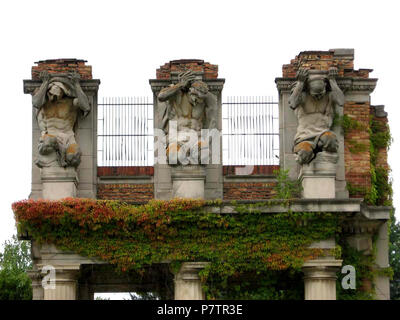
x,y
57,103
314,98
191,107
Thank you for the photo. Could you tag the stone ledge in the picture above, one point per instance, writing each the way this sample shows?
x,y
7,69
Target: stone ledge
x,y
86,85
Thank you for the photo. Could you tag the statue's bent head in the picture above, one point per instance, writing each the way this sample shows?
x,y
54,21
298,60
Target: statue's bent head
x,y
199,88
317,86
55,91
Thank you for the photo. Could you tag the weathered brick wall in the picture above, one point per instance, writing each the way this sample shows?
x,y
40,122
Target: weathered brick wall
x,y
240,190
143,192
357,159
210,71
323,60
382,158
137,192
125,171
126,192
248,190
257,170
62,66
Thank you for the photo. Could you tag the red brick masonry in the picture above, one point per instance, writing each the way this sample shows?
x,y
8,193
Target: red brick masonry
x,y
62,66
210,70
145,191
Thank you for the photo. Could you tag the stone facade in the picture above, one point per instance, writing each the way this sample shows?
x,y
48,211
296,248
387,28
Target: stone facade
x,y
79,277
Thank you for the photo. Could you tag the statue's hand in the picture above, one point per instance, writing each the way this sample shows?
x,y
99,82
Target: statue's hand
x,y
333,73
44,76
302,75
187,78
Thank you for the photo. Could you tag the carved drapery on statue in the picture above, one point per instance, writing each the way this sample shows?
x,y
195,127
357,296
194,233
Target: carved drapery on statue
x,y
186,108
57,103
314,98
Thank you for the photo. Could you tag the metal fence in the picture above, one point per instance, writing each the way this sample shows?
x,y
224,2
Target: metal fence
x,y
125,132
250,133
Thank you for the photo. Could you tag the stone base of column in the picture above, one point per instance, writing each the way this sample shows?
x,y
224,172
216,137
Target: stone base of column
x,y
320,279
59,182
188,181
318,177
188,283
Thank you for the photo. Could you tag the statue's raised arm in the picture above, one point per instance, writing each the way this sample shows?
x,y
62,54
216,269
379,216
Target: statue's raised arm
x,y
336,94
81,100
39,98
297,95
185,80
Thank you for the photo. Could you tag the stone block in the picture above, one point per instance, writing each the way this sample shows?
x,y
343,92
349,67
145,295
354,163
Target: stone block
x,y
188,181
193,189
318,187
59,183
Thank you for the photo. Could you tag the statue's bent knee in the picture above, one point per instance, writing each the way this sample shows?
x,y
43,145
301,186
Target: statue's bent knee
x,y
328,142
73,155
304,151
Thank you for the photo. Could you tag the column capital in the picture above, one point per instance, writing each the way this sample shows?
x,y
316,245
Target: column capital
x,y
321,265
187,281
190,270
36,279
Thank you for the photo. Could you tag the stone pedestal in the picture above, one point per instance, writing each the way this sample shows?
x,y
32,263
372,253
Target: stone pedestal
x,y
59,182
65,285
320,279
188,181
318,177
187,281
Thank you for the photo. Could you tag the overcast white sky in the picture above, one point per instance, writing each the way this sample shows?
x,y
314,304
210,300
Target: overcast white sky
x,y
125,41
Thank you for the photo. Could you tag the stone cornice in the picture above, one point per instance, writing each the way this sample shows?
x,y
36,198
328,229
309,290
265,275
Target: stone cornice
x,y
86,85
346,84
158,84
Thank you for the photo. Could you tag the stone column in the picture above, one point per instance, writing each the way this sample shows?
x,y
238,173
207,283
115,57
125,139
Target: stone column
x,y
382,284
187,281
37,289
65,285
320,279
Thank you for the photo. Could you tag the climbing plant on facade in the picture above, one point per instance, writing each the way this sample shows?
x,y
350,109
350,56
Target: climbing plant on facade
x,y
133,237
